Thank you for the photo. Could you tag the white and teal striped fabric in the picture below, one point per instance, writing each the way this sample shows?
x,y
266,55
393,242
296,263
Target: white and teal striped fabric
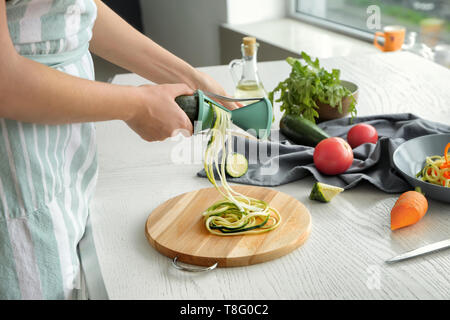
x,y
47,172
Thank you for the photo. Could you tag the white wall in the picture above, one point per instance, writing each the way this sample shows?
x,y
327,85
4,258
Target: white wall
x,y
190,28
248,11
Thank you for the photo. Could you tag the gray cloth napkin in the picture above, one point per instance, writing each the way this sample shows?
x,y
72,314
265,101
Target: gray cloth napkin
x,y
372,162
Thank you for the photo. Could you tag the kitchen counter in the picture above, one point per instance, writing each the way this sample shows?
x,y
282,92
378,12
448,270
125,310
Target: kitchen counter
x,y
350,238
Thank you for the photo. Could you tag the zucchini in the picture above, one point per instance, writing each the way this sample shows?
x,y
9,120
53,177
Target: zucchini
x,y
189,104
242,228
301,131
236,165
236,213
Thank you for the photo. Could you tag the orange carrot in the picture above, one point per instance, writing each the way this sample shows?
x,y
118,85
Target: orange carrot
x,y
409,208
446,153
446,164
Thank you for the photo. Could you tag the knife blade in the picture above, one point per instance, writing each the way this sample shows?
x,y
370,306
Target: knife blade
x,y
421,251
213,95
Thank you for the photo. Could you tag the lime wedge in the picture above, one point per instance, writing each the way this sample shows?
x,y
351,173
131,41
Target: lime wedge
x,y
324,192
236,165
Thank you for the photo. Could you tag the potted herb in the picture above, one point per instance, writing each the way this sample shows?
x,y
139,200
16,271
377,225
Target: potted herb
x,y
312,93
310,88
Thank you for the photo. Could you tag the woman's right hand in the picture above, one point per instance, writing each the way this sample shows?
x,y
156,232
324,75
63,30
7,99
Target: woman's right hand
x,y
158,116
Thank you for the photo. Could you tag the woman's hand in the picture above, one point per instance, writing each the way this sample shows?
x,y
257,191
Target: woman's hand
x,y
207,83
139,54
158,116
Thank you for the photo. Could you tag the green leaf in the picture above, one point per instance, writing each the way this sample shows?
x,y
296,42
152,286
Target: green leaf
x,y
291,60
307,84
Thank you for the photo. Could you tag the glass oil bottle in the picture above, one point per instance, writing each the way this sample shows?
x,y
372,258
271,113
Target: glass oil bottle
x,y
248,84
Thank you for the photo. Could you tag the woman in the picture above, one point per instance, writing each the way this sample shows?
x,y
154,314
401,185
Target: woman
x,y
48,101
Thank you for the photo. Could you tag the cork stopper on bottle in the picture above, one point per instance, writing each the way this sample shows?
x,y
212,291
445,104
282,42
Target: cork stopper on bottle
x,y
249,45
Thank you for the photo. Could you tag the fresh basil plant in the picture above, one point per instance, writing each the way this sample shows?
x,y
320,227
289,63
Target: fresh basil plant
x,y
306,85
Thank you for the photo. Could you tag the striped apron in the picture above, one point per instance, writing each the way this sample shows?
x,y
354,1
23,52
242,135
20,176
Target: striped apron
x,y
47,172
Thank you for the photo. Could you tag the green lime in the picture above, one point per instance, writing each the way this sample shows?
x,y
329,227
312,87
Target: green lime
x,y
324,192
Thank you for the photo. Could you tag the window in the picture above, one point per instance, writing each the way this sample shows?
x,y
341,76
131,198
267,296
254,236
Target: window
x,y
430,19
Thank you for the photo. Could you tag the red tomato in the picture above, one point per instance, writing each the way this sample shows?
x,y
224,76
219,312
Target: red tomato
x,y
333,156
362,133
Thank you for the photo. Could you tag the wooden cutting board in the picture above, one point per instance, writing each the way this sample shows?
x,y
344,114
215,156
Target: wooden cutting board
x,y
176,228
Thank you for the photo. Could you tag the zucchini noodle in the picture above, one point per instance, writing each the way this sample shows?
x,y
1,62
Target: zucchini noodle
x,y
436,169
236,213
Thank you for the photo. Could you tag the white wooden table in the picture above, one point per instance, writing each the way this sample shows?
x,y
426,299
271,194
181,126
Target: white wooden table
x,y
350,239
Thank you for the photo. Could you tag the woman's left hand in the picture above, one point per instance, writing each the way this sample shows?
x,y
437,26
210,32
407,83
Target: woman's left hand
x,y
207,83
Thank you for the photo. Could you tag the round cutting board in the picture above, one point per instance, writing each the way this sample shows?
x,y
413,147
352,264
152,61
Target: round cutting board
x,y
176,229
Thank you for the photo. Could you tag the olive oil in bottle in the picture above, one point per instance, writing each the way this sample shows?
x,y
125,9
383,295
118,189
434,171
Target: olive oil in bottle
x,y
249,84
249,89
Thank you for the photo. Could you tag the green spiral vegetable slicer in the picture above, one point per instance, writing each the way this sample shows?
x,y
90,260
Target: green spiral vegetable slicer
x,y
254,118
